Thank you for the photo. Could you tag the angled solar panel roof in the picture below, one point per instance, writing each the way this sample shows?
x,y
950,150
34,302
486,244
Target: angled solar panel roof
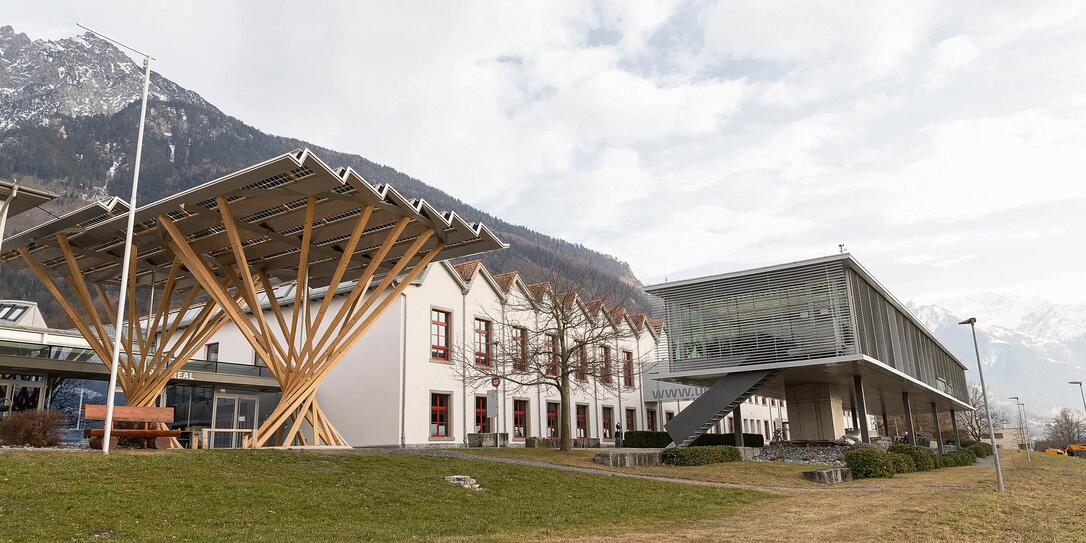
x,y
268,201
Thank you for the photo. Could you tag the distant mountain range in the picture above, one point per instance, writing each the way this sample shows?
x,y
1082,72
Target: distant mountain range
x,y
1029,348
68,116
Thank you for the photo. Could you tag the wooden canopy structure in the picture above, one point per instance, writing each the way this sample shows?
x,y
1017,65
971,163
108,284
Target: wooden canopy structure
x,y
217,252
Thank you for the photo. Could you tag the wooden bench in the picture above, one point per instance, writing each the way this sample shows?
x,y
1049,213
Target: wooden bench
x,y
146,416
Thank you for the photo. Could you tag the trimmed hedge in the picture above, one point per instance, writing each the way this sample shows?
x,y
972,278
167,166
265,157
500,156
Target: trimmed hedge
x,y
869,463
698,456
646,440
981,450
901,462
749,440
659,440
958,458
923,458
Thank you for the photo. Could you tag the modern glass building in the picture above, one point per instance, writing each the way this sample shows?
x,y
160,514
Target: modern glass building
x,y
818,333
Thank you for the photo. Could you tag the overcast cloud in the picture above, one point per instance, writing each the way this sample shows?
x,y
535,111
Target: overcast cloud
x,y
944,145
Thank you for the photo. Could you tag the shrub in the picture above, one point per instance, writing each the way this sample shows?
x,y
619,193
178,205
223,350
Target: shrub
x,y
653,440
981,450
968,442
33,428
749,440
697,456
960,457
869,462
902,463
923,458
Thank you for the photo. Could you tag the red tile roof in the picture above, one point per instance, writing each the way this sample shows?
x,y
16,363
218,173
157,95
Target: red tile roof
x,y
538,289
467,269
505,281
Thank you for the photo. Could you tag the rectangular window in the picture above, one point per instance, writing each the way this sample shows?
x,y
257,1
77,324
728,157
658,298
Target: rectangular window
x,y
482,422
552,347
627,369
520,419
668,415
605,373
553,412
582,420
650,419
482,342
731,426
211,352
631,420
439,334
582,364
767,434
439,415
520,344
608,422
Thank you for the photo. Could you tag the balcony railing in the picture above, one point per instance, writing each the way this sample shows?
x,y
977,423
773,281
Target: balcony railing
x,y
79,354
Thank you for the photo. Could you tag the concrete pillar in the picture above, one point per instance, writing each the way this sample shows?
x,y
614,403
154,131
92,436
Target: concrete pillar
x,y
814,412
886,422
954,426
908,417
737,424
938,427
860,409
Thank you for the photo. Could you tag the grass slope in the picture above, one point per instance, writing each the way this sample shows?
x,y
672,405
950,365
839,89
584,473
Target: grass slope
x,y
292,496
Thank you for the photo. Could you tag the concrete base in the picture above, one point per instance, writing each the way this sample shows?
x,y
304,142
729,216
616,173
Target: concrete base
x,y
814,412
750,452
488,440
629,458
829,476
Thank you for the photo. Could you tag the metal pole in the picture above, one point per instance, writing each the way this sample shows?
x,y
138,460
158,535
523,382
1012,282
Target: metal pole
x,y
971,321
1080,393
127,258
1025,428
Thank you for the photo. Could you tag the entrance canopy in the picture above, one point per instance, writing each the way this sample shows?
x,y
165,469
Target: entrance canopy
x,y
268,201
25,198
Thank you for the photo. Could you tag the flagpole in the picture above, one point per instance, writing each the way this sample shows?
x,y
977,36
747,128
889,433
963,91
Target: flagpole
x,y
110,394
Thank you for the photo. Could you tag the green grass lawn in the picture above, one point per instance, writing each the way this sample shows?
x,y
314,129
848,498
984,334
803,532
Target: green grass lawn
x,y
309,496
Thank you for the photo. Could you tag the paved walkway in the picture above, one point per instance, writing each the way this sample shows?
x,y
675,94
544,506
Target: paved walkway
x,y
446,453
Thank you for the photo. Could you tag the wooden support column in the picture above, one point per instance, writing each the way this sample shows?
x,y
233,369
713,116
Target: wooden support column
x,y
300,348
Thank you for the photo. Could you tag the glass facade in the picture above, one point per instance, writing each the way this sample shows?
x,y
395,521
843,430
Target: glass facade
x,y
815,311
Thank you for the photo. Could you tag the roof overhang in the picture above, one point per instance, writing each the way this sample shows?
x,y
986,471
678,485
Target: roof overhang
x,y
26,198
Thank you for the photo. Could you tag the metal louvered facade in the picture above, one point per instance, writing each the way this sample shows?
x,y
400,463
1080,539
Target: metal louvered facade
x,y
815,310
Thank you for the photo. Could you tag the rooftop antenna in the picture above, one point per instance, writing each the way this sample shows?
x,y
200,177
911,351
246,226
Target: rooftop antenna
x,y
841,248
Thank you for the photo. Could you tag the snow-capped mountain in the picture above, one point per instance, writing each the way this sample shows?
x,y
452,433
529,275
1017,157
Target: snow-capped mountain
x,y
1029,348
78,76
69,109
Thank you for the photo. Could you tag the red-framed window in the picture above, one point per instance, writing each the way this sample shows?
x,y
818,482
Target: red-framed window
x,y
482,422
439,334
650,419
627,369
582,421
605,375
520,343
608,416
482,342
553,412
520,419
552,362
582,364
439,415
631,420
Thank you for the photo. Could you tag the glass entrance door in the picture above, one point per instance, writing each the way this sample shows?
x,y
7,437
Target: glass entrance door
x,y
234,412
20,395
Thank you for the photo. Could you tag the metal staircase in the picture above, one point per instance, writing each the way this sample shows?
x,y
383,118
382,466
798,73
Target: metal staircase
x,y
714,404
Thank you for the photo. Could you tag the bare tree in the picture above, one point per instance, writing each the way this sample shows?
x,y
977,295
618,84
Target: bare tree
x,y
1066,428
975,422
563,333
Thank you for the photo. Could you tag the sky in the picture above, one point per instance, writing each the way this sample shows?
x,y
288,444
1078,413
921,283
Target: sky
x,y
942,144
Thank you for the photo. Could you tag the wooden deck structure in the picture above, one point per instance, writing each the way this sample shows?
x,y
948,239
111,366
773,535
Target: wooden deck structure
x,y
219,253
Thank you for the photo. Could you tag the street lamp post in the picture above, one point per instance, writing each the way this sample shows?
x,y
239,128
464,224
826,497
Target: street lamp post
x,y
110,394
1080,393
972,321
1022,428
